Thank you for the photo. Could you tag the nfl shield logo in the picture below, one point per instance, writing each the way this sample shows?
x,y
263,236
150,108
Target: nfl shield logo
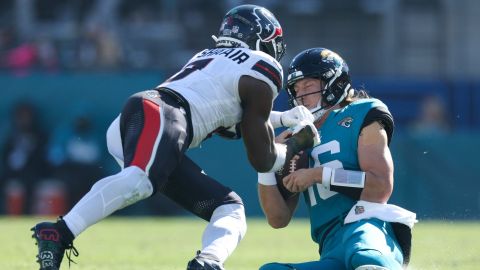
x,y
359,210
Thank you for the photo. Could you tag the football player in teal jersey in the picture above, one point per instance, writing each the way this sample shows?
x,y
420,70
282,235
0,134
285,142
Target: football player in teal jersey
x,y
350,174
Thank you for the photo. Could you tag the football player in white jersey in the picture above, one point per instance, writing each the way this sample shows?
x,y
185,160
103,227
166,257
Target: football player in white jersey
x,y
227,90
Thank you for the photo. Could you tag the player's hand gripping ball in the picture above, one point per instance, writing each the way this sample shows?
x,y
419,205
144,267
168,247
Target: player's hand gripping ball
x,y
296,163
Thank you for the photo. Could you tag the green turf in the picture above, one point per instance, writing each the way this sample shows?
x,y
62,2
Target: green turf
x,y
160,243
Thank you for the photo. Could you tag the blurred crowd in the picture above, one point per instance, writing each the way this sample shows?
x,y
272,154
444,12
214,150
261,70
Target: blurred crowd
x,y
44,173
107,35
56,35
150,34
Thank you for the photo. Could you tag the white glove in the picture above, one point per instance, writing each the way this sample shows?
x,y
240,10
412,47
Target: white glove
x,y
304,123
291,117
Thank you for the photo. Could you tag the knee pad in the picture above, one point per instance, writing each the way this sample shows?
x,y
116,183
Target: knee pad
x,y
225,230
237,214
130,185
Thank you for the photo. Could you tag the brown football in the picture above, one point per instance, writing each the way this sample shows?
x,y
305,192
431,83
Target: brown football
x,y
294,165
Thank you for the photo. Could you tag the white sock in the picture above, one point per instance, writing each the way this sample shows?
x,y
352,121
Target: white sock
x,y
225,230
108,195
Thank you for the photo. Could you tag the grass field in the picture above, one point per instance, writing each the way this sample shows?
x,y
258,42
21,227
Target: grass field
x,y
168,243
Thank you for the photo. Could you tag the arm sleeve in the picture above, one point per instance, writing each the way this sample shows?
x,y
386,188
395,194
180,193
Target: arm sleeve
x,y
383,116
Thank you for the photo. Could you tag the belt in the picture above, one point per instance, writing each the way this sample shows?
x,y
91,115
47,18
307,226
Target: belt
x,y
182,102
179,98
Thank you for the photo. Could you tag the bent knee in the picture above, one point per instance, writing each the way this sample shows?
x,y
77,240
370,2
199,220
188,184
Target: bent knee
x,y
372,260
237,214
132,184
141,188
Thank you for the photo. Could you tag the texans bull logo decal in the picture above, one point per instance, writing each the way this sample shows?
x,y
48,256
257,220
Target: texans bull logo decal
x,y
269,28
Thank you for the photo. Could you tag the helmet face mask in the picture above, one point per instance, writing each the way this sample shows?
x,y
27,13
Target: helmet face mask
x,y
325,65
307,92
254,27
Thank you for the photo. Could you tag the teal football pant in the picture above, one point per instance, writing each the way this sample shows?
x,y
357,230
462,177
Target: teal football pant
x,y
366,242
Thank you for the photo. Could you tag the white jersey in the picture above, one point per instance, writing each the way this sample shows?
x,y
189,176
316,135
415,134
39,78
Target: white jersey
x,y
209,82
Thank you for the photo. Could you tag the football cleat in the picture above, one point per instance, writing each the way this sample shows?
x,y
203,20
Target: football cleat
x,y
200,262
51,246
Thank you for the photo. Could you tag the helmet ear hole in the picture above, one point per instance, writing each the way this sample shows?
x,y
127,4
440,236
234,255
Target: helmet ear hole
x,y
264,47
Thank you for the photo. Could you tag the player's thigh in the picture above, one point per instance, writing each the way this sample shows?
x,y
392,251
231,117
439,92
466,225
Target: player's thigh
x,y
373,241
326,264
154,134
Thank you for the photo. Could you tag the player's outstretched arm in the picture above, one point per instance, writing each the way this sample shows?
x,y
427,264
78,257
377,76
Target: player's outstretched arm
x,y
263,153
257,101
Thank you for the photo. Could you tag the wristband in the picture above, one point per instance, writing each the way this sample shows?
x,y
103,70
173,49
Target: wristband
x,y
267,179
326,177
276,119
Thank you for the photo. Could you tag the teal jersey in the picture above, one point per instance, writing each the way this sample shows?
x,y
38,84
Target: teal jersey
x,y
338,149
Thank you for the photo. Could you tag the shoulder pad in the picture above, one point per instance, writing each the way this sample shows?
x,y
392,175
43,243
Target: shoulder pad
x,y
270,71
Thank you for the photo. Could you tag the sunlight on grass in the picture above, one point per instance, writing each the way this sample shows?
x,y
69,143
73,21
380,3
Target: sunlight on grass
x,y
168,243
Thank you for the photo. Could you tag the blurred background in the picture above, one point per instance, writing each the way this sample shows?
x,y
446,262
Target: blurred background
x,y
67,67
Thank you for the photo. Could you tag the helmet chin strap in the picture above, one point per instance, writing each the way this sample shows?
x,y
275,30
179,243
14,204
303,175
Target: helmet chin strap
x,y
318,112
257,45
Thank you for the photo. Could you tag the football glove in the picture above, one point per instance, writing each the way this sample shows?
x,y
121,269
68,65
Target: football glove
x,y
291,117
